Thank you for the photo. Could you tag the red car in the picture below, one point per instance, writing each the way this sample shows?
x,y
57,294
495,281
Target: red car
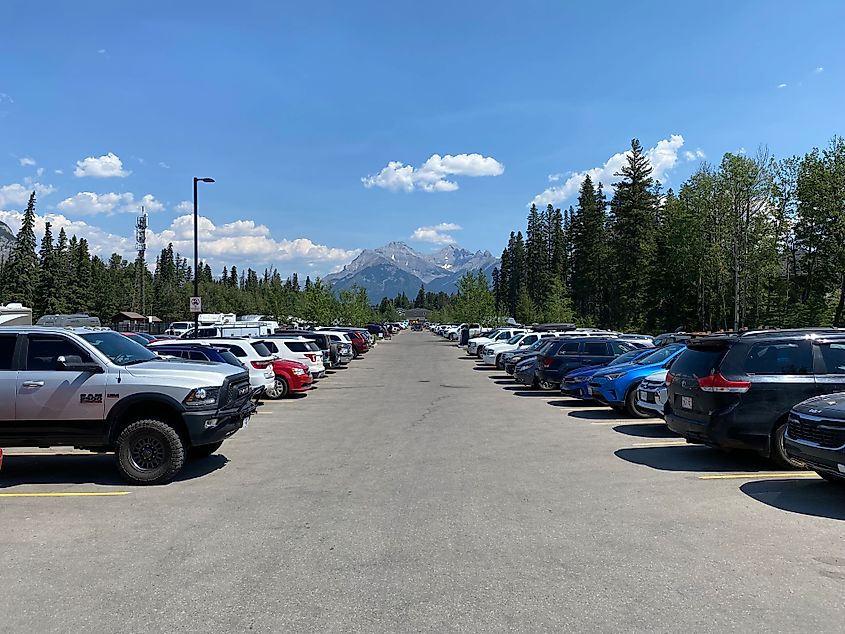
x,y
359,342
291,377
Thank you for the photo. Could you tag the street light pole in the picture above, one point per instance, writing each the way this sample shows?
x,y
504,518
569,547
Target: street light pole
x,y
196,249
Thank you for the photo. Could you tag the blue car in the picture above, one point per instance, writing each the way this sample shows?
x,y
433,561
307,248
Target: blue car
x,y
617,386
576,384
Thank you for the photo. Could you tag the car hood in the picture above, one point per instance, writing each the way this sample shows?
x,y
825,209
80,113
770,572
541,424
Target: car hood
x,y
826,406
616,369
165,371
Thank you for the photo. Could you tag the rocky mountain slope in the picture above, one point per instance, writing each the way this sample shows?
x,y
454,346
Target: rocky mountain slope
x,y
397,267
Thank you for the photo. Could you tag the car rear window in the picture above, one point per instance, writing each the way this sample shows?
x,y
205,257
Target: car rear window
x,y
236,350
229,358
698,362
779,358
297,346
261,349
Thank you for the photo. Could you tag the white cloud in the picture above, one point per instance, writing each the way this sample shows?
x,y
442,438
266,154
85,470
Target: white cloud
x,y
698,154
163,165
431,175
106,166
101,51
26,161
59,171
782,85
39,172
818,69
91,204
553,178
436,234
17,194
4,98
662,157
185,206
241,242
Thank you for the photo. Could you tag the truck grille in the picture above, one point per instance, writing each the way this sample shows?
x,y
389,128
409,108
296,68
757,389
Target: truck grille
x,y
237,392
824,433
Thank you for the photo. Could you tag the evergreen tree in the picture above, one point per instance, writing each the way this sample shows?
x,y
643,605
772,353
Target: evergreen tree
x,y
21,271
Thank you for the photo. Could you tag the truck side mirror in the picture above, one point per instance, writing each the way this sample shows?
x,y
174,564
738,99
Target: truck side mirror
x,y
74,363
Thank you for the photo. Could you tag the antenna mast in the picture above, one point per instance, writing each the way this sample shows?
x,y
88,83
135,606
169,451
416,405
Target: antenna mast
x,y
141,248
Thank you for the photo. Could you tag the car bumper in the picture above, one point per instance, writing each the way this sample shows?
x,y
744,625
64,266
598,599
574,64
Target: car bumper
x,y
816,457
212,426
576,390
300,383
526,377
720,430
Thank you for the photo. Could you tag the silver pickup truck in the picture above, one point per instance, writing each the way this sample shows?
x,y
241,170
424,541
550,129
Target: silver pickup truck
x,y
96,389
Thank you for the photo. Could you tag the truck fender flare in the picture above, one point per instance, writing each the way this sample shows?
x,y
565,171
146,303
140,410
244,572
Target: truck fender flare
x,y
116,413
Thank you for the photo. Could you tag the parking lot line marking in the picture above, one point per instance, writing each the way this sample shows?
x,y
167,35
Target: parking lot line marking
x,y
662,443
620,422
752,476
65,494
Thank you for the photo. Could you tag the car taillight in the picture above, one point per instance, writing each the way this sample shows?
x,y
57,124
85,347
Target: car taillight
x,y
669,377
547,361
311,357
718,383
260,365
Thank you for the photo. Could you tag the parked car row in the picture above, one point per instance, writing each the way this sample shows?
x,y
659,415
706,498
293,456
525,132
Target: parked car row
x,y
153,401
777,393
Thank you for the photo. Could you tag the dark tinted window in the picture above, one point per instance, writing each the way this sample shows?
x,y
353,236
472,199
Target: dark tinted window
x,y
7,351
229,358
833,358
235,350
594,348
779,358
698,362
261,349
119,349
569,347
194,355
297,346
271,346
619,347
43,352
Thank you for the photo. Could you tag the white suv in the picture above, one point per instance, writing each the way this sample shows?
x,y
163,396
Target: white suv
x,y
299,349
493,353
255,356
477,344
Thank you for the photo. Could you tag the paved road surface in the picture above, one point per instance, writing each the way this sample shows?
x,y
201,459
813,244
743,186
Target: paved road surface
x,y
413,492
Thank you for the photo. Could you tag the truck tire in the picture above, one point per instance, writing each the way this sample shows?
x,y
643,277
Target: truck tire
x,y
203,451
778,453
279,390
149,451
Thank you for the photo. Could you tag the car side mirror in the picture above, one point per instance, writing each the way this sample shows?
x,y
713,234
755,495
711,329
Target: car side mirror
x,y
74,363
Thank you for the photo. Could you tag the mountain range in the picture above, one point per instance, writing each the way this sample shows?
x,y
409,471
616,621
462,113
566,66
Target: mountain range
x,y
397,268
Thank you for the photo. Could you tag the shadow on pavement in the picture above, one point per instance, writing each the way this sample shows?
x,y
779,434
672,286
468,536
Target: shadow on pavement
x,y
507,381
696,458
574,402
500,377
87,469
808,497
596,414
486,368
523,391
646,430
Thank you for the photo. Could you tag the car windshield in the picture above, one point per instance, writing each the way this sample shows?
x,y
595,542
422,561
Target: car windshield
x,y
659,356
515,338
628,357
119,349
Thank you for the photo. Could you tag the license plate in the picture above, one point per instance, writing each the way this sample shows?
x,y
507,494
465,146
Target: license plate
x,y
245,421
686,402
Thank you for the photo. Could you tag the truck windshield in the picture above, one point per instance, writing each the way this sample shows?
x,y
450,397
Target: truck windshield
x,y
119,349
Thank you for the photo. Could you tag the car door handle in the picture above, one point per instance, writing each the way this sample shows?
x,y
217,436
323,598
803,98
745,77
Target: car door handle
x,y
33,384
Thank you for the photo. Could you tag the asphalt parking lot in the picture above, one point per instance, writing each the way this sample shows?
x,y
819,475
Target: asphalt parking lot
x,y
415,491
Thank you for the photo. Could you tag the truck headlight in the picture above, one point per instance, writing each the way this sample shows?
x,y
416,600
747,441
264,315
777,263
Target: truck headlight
x,y
202,397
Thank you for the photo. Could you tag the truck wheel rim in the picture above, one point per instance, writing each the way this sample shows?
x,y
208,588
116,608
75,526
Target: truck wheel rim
x,y
147,452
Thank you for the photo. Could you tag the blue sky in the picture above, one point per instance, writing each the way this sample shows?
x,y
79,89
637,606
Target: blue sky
x,y
292,106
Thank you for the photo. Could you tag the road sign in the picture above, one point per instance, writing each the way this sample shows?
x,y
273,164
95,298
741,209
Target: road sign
x,y
196,304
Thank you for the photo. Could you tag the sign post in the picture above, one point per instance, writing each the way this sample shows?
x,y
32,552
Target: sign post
x,y
196,305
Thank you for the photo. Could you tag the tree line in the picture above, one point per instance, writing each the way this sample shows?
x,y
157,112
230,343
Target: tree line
x,y
750,242
61,276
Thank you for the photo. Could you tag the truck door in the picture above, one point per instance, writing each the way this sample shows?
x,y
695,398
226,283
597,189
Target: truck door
x,y
60,402
8,378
